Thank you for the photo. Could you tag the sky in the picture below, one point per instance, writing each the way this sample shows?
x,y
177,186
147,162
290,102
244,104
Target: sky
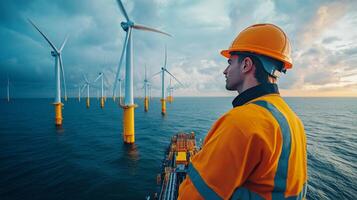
x,y
323,35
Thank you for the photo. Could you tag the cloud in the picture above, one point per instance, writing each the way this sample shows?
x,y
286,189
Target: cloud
x,y
329,40
322,34
323,57
325,17
350,51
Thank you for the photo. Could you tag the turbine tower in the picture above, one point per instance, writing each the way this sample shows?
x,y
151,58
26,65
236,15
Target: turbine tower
x,y
104,95
8,89
149,88
86,84
57,53
120,95
170,91
162,72
101,75
128,26
146,86
79,93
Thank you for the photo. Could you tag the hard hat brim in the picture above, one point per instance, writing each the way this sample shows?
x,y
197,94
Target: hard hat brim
x,y
287,62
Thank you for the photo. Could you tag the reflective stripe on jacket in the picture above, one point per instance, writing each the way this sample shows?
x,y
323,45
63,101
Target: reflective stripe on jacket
x,y
255,151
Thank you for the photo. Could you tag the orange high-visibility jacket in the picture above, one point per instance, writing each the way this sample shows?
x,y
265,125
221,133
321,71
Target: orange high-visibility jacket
x,y
257,150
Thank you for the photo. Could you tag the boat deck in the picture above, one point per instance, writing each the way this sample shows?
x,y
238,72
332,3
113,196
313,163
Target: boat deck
x,y
175,165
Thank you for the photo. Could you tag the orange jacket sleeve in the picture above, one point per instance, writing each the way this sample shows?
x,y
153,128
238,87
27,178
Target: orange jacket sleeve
x,y
229,155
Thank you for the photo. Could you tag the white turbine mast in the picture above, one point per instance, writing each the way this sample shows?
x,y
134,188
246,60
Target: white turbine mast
x,y
86,84
128,26
162,72
101,75
79,93
57,53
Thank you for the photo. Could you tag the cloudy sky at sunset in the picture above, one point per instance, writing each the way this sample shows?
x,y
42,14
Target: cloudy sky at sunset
x,y
323,35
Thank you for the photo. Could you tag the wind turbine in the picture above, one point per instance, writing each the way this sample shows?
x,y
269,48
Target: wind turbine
x,y
86,84
101,75
146,87
57,53
120,95
149,88
162,72
104,95
170,91
79,93
8,89
114,97
128,26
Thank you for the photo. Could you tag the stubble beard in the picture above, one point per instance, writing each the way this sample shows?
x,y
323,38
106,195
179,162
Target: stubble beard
x,y
229,87
233,87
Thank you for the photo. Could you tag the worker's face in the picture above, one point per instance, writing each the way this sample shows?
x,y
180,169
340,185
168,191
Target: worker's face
x,y
233,73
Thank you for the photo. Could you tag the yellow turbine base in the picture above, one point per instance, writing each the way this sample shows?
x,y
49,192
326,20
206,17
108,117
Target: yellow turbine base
x,y
146,104
102,102
163,106
128,124
88,102
170,99
58,114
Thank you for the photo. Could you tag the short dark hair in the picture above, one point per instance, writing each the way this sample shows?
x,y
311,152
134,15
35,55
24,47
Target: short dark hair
x,y
260,74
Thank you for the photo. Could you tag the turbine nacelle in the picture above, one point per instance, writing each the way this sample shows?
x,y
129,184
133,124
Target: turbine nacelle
x,y
126,25
54,54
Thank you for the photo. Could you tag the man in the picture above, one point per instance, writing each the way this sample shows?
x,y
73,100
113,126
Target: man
x,y
257,150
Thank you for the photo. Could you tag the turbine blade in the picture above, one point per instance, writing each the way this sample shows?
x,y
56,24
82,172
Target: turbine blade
x,y
100,75
155,74
173,77
64,43
83,86
165,57
96,79
63,77
85,78
121,59
46,38
145,28
122,9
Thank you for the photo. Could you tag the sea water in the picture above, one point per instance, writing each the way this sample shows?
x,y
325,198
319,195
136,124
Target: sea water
x,y
86,158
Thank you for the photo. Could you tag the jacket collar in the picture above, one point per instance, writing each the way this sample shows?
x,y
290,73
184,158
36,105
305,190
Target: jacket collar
x,y
255,92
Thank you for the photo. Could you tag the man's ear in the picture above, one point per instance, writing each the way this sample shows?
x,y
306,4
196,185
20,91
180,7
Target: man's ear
x,y
247,65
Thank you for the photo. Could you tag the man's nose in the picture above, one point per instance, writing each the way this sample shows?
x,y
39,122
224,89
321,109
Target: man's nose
x,y
225,71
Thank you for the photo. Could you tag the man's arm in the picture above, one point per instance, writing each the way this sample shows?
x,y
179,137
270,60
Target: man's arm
x,y
224,163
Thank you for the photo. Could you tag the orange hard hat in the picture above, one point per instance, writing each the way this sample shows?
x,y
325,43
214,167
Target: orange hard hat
x,y
264,39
